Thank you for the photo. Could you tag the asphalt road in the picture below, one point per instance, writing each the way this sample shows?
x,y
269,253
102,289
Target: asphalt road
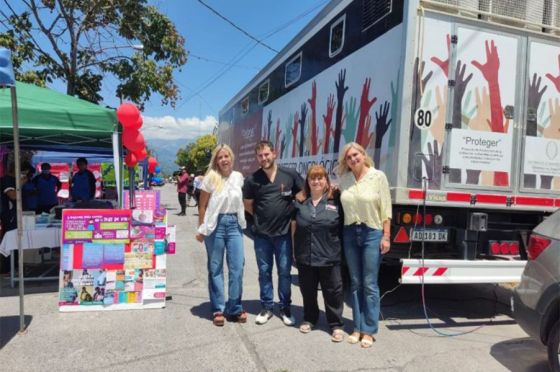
x,y
475,330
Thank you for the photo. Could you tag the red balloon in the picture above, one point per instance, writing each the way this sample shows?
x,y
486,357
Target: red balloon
x,y
130,160
133,140
141,154
138,124
128,115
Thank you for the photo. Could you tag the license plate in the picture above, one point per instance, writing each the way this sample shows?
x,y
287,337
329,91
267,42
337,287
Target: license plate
x,y
428,235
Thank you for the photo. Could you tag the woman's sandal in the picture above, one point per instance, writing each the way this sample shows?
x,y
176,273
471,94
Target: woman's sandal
x,y
367,341
337,335
218,319
354,338
305,327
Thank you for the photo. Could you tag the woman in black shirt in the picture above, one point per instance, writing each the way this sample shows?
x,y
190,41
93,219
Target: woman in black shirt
x,y
316,229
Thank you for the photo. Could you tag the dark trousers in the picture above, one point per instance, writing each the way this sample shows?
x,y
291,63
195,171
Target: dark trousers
x,y
183,201
330,279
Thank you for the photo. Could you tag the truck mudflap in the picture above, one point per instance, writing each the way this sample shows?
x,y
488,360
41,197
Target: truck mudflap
x,y
417,271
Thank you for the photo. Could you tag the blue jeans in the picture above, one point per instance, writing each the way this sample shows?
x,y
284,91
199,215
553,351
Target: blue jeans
x,y
266,249
228,238
363,256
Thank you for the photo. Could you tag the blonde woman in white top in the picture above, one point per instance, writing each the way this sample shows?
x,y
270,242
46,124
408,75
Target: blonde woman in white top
x,y
221,218
366,202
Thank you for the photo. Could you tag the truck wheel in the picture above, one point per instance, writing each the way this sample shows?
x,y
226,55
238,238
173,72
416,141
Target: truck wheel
x,y
554,347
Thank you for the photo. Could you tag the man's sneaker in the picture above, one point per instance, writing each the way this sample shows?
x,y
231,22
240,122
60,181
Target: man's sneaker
x,y
263,316
287,317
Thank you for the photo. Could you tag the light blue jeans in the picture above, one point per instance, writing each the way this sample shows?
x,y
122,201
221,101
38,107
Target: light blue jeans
x,y
228,238
363,257
266,249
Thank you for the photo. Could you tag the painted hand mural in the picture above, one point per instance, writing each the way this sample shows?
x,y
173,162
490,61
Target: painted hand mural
x,y
341,89
277,135
269,126
294,134
302,129
490,71
433,164
351,120
419,83
327,121
314,129
534,96
444,65
555,79
365,106
382,124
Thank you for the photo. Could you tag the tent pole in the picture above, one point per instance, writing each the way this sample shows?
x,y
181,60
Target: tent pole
x,y
117,166
18,207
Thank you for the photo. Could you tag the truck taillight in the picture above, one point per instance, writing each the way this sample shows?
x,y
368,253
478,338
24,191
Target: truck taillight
x,y
504,247
537,244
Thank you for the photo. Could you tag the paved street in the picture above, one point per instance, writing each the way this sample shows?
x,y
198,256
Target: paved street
x,y
181,337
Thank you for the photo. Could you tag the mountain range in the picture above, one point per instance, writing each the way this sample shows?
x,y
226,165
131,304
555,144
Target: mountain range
x,y
166,152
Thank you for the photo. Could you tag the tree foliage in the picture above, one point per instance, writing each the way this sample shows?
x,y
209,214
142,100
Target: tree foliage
x,y
196,156
83,41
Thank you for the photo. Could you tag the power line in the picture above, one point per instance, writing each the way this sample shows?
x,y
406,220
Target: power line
x,y
246,51
237,27
222,63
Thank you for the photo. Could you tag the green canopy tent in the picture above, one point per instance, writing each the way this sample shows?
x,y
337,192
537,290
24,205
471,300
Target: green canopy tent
x,y
49,120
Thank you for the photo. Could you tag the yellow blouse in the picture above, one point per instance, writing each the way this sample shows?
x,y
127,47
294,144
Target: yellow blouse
x,y
366,201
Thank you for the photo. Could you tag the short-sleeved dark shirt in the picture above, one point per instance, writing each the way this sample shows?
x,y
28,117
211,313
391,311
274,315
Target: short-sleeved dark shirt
x,y
272,208
318,228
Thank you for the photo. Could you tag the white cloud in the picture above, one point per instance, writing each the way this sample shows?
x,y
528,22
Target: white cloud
x,y
172,128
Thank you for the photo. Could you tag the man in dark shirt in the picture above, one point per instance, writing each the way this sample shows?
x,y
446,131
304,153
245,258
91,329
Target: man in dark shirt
x,y
182,188
82,184
48,186
268,195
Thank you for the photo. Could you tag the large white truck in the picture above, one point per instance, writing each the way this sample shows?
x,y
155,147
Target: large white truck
x,y
457,101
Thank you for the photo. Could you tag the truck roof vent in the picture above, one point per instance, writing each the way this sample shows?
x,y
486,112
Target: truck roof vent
x,y
374,10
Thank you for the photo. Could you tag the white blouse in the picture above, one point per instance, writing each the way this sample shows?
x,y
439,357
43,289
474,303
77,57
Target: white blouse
x,y
228,200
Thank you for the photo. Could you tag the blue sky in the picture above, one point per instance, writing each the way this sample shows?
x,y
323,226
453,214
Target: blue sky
x,y
212,42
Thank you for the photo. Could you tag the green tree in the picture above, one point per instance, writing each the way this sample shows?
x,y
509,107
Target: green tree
x,y
82,42
196,156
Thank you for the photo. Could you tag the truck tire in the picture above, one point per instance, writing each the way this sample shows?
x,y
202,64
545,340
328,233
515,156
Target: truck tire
x,y
554,347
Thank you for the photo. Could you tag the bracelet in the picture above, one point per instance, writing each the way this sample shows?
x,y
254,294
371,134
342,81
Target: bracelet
x,y
386,238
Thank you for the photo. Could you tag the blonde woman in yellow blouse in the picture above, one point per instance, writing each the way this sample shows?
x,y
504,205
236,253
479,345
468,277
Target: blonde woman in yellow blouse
x,y
366,202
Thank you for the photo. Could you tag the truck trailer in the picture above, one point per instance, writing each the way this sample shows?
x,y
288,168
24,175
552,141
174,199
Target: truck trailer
x,y
457,101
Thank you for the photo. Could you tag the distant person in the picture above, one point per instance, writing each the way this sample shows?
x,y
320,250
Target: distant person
x,y
268,194
197,183
29,195
48,186
182,185
82,184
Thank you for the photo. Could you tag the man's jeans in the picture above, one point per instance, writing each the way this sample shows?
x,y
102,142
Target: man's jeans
x,y
228,238
363,256
266,249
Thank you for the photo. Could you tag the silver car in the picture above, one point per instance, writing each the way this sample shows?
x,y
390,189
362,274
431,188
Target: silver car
x,y
536,301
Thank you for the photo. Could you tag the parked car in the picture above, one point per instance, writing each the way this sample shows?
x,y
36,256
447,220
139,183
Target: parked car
x,y
536,301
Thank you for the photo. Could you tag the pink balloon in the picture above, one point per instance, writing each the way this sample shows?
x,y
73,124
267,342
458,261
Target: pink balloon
x,y
133,140
128,114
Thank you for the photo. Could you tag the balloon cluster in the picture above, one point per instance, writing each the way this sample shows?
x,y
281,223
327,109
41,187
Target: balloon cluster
x,y
131,120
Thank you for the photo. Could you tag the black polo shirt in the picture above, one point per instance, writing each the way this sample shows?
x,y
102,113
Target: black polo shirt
x,y
8,214
272,206
317,238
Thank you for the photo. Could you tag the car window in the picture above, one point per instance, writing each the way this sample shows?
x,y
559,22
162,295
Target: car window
x,y
549,227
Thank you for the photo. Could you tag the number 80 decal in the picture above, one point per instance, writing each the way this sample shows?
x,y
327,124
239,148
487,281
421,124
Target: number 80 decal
x,y
423,118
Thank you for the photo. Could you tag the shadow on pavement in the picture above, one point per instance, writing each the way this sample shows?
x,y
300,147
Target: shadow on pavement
x,y
9,327
521,355
253,307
